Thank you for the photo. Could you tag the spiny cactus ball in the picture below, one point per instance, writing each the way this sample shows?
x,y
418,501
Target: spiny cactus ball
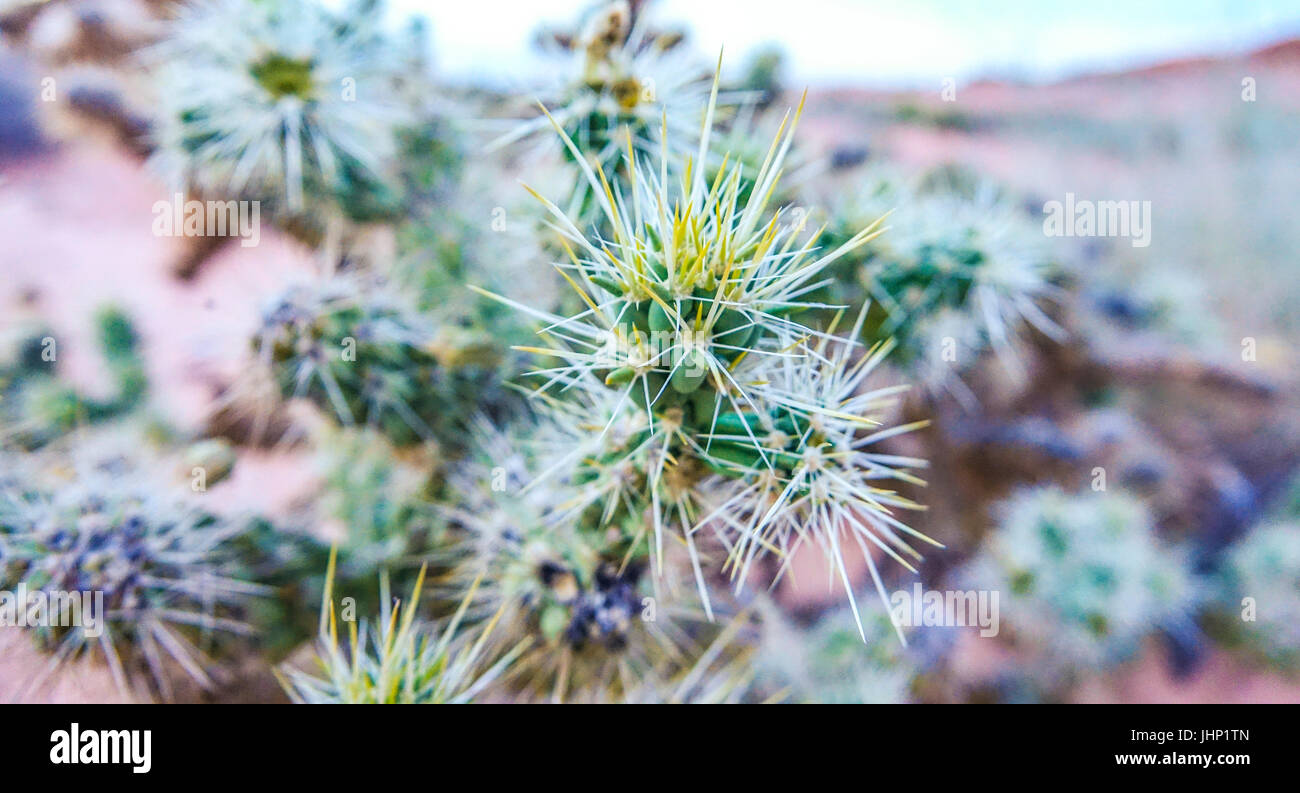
x,y
363,356
828,662
953,248
1265,567
160,562
279,101
1083,576
691,322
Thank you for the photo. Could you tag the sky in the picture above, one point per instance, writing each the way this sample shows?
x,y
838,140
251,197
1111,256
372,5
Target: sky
x,y
879,43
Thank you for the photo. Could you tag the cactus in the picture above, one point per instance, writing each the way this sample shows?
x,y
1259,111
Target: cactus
x,y
691,323
381,498
959,262
398,659
717,395
1156,299
1265,567
280,101
376,504
826,661
38,407
601,628
1083,577
630,87
161,563
359,353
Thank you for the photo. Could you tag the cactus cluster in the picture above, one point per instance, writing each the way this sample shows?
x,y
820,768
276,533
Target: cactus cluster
x,y
1083,577
283,102
363,356
749,425
718,399
162,564
571,584
961,265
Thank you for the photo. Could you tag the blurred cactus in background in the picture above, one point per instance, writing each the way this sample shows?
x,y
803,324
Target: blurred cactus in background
x,y
765,74
628,85
1153,299
161,562
960,270
380,499
1264,567
363,356
280,101
1084,578
38,407
827,662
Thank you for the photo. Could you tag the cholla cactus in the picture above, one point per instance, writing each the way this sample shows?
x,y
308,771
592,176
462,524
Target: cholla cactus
x,y
380,497
630,85
688,321
399,660
161,563
1265,566
827,662
38,407
742,145
602,629
360,353
958,263
521,546
721,672
1083,576
278,100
